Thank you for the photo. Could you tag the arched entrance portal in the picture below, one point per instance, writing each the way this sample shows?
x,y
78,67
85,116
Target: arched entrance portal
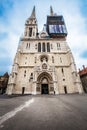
x,y
44,83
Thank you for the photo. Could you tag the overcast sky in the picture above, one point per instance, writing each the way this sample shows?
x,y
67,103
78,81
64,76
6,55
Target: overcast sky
x,y
13,14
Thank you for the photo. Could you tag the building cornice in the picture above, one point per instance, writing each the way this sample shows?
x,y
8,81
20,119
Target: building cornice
x,y
43,39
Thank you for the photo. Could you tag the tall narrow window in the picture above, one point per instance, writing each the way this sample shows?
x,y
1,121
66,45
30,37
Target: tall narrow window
x,y
27,45
52,59
58,46
31,75
43,47
39,47
30,32
62,71
48,47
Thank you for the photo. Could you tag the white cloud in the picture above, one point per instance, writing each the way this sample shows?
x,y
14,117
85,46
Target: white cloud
x,y
77,34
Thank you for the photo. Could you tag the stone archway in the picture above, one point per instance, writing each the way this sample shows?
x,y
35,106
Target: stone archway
x,y
45,83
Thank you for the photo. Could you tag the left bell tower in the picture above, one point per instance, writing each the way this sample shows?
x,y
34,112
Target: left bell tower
x,y
31,29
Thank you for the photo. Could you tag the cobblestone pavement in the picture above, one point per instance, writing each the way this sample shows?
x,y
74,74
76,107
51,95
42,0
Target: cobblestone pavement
x,y
44,112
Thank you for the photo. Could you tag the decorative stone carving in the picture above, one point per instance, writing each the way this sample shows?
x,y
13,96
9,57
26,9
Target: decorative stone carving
x,y
44,66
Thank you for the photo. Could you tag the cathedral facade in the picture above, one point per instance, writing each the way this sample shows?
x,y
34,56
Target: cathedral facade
x,y
44,63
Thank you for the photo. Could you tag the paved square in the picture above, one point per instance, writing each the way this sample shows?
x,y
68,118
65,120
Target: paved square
x,y
44,112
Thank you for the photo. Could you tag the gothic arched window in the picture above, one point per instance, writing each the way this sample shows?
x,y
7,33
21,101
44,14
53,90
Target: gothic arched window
x,y
43,47
30,32
39,47
48,47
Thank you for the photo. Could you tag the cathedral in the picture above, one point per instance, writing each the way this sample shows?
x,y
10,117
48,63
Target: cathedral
x,y
44,63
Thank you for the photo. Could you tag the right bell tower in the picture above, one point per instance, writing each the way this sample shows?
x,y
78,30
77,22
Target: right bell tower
x,y
56,27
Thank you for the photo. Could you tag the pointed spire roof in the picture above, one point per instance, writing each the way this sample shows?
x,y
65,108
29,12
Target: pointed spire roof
x,y
33,15
51,11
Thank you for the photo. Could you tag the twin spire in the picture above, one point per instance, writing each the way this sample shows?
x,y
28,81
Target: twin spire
x,y
51,11
33,14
